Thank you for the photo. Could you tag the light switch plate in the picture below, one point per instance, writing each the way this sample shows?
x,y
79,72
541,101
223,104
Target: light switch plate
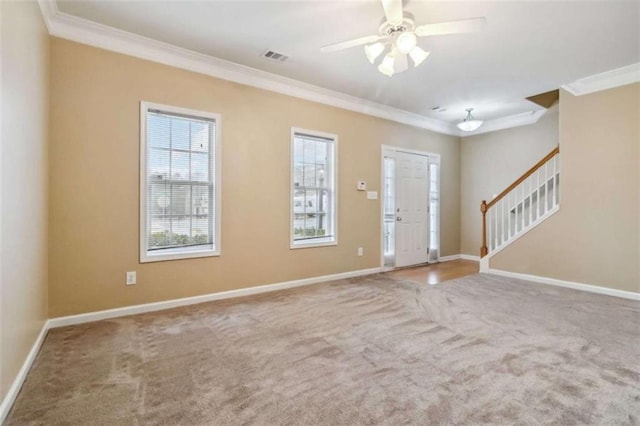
x,y
372,195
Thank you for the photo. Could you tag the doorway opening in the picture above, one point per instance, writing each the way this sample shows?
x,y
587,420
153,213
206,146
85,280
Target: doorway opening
x,y
410,207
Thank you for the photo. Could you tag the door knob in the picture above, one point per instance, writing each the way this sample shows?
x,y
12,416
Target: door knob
x,y
399,219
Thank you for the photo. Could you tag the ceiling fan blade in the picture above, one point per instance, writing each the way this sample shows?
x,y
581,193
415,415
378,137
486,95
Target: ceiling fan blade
x,y
401,63
393,11
350,43
452,27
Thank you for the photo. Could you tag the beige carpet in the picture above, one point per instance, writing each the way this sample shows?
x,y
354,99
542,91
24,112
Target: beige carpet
x,y
480,349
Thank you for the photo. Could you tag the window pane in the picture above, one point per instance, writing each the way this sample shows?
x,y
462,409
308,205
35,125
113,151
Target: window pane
x,y
199,167
159,235
180,133
158,197
312,196
159,163
200,200
180,200
179,179
200,136
158,128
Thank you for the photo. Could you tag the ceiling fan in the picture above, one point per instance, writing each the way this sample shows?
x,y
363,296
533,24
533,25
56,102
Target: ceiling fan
x,y
399,33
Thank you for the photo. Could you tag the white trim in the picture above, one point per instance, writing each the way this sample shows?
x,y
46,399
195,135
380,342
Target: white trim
x,y
606,80
15,387
484,264
458,257
168,304
91,33
567,284
508,122
470,257
333,216
216,164
81,30
449,258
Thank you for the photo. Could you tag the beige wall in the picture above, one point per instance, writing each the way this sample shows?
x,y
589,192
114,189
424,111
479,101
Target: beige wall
x,y
491,162
594,238
94,161
23,285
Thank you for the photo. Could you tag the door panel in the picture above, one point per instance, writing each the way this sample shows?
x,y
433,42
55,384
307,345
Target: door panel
x,y
412,214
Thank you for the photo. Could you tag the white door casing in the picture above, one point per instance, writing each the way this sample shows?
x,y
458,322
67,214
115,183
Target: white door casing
x,y
412,209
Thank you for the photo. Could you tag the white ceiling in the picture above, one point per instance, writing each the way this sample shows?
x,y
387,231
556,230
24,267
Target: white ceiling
x,y
527,47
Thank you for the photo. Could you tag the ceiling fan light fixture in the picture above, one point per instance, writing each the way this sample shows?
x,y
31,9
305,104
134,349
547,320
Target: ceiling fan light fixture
x,y
469,124
373,51
406,42
386,67
418,55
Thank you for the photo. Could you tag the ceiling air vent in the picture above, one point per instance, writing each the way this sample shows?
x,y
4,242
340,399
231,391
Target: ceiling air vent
x,y
274,56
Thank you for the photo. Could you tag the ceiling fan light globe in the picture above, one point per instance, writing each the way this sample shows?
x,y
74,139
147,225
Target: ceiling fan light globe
x,y
418,56
469,125
386,67
373,51
406,42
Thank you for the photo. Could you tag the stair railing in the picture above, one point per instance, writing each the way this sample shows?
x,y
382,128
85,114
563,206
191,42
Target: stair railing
x,y
527,201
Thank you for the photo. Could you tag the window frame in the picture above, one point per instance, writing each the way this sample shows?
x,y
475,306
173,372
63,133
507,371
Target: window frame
x,y
328,241
215,162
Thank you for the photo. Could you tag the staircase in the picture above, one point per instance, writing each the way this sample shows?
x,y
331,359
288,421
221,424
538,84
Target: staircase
x,y
529,200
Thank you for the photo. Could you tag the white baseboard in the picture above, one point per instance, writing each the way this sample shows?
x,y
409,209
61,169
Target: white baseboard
x,y
459,256
168,304
568,284
11,395
470,257
448,258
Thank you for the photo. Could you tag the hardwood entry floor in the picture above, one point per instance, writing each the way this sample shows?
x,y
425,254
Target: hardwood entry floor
x,y
437,272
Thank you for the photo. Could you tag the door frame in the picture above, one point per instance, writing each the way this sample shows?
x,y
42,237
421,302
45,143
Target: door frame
x,y
433,158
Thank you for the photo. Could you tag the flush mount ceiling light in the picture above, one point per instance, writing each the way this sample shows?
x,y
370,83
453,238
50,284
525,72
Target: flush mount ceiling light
x,y
469,124
399,34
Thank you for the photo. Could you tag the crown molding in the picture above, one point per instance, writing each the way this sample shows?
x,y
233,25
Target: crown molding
x,y
606,80
83,31
510,121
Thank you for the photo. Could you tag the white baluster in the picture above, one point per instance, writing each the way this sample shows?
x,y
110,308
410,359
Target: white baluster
x,y
556,194
508,197
502,220
538,196
490,231
496,229
530,199
546,188
522,211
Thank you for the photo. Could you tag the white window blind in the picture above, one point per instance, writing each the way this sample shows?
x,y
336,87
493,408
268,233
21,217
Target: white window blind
x,y
178,184
313,189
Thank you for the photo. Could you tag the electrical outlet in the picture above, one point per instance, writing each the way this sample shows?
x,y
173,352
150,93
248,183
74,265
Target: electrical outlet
x,y
131,278
360,251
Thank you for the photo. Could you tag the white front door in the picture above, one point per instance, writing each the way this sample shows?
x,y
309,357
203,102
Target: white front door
x,y
412,209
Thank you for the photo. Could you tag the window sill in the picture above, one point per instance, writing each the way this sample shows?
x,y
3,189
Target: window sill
x,y
315,243
177,254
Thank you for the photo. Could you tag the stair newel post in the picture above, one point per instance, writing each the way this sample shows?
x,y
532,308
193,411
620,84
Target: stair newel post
x,y
484,250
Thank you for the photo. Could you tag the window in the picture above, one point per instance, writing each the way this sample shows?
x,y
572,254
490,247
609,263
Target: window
x,y
434,208
313,189
179,183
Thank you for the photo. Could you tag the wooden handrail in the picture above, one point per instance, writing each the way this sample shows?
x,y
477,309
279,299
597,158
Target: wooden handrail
x,y
484,206
521,179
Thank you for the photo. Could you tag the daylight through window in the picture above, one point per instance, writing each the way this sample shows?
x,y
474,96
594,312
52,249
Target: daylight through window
x,y
313,189
180,203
